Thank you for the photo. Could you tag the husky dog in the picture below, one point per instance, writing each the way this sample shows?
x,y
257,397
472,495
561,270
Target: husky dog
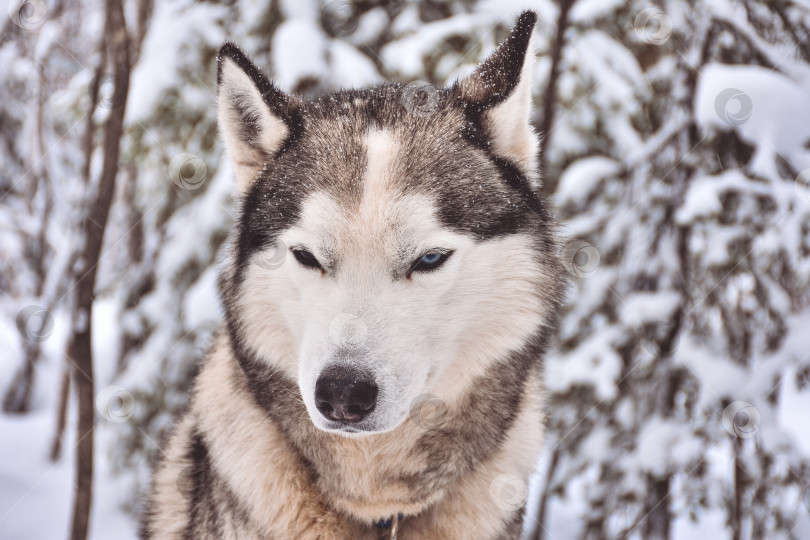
x,y
389,289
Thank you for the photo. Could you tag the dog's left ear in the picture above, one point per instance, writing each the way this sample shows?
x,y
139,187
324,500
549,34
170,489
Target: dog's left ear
x,y
501,89
255,117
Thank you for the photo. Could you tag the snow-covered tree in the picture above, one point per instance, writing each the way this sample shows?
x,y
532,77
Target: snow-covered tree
x,y
679,155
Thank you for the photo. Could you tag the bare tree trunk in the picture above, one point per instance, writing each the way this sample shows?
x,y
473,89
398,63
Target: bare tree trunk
x,y
61,413
658,517
80,345
18,395
144,13
736,511
550,96
89,128
87,146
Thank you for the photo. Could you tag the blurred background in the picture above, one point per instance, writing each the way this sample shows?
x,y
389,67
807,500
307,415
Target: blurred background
x,y
677,154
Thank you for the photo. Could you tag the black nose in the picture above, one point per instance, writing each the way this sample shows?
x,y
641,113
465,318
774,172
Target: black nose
x,y
344,394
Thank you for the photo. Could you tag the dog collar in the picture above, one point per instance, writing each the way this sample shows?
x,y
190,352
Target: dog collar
x,y
391,524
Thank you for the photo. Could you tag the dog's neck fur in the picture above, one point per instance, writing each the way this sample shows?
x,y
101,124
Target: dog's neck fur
x,y
409,468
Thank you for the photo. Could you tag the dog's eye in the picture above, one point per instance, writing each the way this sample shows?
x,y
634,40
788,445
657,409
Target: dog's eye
x,y
430,261
306,258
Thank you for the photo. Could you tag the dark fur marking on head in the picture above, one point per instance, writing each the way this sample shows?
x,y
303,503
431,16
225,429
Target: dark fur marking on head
x,y
487,211
475,134
267,210
489,204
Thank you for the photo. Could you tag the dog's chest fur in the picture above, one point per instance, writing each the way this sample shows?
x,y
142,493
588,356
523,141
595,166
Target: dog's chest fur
x,y
233,471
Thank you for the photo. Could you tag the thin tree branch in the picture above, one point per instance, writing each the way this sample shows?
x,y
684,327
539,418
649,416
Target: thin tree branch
x,y
550,96
80,344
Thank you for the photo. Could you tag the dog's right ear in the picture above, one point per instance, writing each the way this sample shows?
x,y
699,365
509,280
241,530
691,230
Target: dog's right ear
x,y
255,118
501,89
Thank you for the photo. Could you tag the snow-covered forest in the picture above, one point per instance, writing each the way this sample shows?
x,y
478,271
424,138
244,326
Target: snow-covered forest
x,y
676,151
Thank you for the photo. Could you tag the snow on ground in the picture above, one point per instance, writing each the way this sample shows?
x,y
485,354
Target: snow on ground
x,y
36,495
36,498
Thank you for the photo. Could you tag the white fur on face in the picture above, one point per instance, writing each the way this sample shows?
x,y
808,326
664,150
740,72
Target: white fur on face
x,y
428,333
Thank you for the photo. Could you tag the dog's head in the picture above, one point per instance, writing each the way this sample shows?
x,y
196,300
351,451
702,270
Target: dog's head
x,y
391,241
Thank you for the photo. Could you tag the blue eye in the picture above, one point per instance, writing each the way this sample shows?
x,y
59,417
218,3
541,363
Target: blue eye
x,y
429,261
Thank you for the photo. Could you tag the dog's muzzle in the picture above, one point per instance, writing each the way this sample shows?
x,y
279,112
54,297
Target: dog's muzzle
x,y
345,395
